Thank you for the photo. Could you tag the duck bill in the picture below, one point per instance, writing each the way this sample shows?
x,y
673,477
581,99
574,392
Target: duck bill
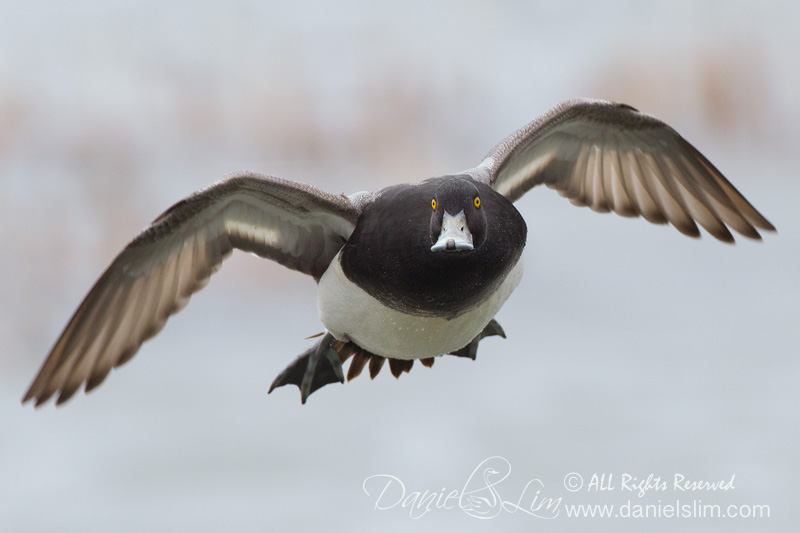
x,y
455,235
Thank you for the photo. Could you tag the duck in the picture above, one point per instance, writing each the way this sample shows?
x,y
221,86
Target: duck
x,y
407,272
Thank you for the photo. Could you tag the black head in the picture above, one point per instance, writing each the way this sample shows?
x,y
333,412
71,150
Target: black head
x,y
458,220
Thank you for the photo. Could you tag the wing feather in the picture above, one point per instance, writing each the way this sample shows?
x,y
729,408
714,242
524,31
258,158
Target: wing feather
x,y
668,199
621,199
611,157
156,274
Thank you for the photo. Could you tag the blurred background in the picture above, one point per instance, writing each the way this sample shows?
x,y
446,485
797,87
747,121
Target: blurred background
x,y
631,348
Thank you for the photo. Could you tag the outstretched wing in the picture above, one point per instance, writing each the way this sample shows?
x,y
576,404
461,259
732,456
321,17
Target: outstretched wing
x,y
611,157
153,277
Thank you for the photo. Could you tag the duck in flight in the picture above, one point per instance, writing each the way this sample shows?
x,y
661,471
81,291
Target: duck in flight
x,y
407,272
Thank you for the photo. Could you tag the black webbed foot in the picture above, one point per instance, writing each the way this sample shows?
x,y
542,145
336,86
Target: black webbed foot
x,y
322,363
315,368
471,349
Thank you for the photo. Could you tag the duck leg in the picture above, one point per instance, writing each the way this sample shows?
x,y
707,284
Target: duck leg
x,y
471,349
314,368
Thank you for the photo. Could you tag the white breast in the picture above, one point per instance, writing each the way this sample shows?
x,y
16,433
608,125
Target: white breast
x,y
350,314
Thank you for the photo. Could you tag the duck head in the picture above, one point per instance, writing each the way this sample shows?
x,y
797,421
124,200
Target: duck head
x,y
458,220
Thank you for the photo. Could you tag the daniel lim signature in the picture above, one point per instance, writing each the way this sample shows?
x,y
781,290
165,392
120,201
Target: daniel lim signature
x,y
479,497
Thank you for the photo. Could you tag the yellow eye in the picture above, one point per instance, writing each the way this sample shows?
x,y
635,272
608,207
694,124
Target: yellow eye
x,y
433,204
477,201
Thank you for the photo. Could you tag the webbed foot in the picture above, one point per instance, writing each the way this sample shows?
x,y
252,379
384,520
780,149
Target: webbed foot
x,y
322,363
315,368
471,349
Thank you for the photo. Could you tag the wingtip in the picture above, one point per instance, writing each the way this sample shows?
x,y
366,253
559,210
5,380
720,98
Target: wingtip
x,y
767,226
32,395
37,401
755,235
64,398
690,230
725,236
27,397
